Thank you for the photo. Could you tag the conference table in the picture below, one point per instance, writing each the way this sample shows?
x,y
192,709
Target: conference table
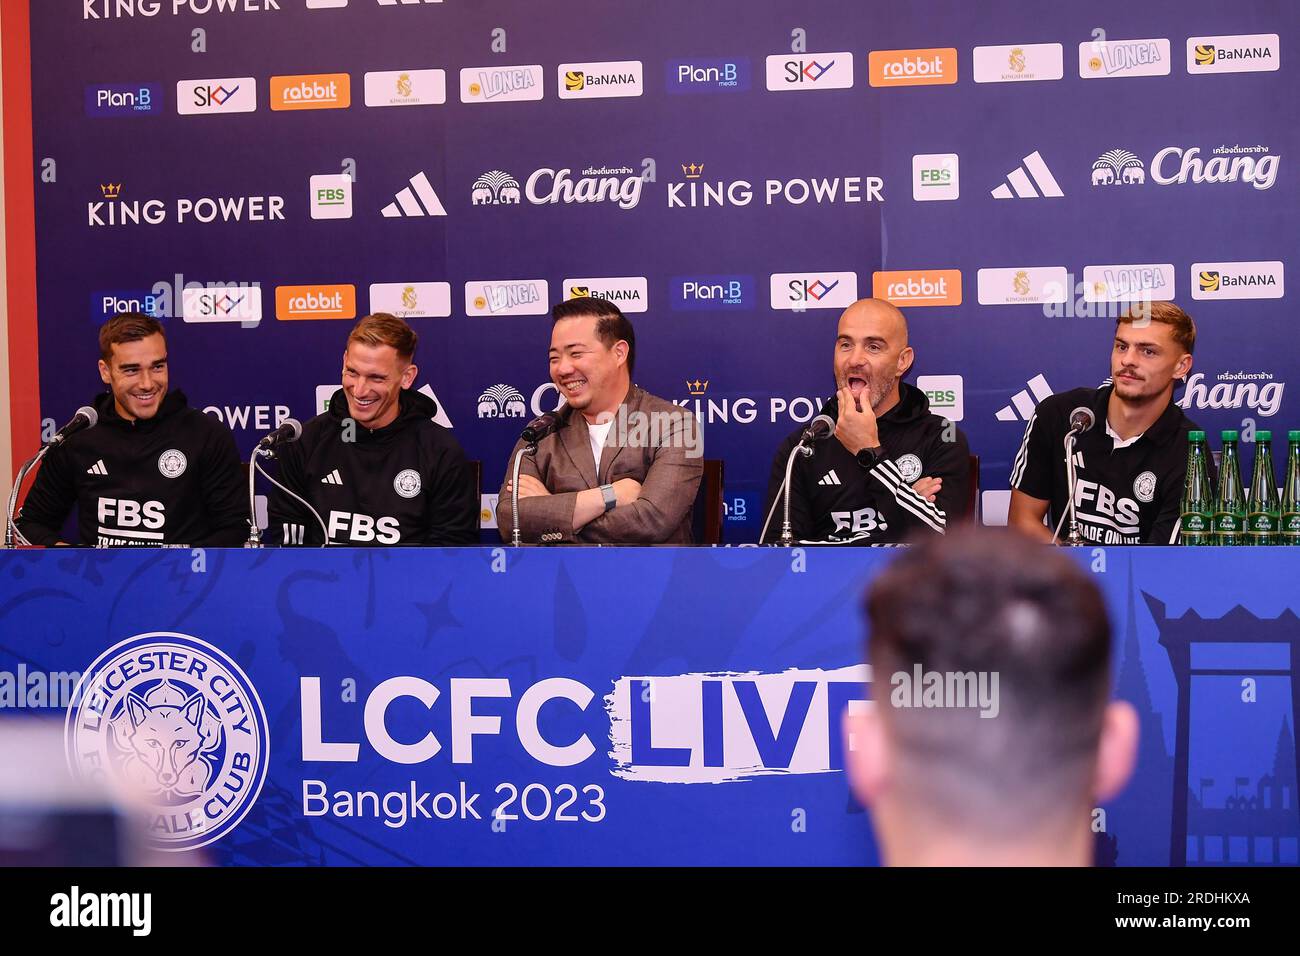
x,y
623,706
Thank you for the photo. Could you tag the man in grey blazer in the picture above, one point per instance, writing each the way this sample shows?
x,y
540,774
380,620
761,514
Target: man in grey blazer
x,y
622,466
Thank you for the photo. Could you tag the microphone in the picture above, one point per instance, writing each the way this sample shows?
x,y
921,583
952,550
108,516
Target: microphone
x,y
86,417
1081,419
291,430
540,427
821,427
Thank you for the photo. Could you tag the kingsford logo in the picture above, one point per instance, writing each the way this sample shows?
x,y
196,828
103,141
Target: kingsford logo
x,y
174,725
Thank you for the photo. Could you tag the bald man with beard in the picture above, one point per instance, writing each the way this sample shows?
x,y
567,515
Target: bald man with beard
x,y
892,469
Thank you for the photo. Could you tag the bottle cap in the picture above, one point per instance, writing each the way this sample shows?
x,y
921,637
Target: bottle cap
x,y
1196,436
1293,436
1263,436
1228,435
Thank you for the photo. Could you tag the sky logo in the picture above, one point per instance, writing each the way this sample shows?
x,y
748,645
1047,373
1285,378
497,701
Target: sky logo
x,y
123,99
708,75
692,293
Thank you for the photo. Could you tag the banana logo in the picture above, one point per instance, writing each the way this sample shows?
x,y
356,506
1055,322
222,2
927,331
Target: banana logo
x,y
1209,281
574,80
579,292
1205,54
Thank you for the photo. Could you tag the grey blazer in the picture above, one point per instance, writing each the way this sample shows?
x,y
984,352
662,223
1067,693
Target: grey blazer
x,y
658,437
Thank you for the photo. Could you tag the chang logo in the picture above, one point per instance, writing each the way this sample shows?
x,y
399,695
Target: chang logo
x,y
1205,54
495,188
1209,281
501,401
172,463
174,724
1118,167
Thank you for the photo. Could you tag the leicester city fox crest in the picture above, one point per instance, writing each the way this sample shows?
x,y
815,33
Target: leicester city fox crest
x,y
173,725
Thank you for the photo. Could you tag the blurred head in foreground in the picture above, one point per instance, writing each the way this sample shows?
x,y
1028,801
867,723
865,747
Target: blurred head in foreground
x,y
993,735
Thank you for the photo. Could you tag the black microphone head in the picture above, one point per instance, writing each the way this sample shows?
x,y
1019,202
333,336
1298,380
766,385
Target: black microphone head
x,y
822,426
1082,419
540,427
91,416
294,426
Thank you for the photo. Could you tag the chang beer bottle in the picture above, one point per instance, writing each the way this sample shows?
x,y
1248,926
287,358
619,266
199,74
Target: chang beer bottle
x,y
1230,503
1290,524
1261,505
1198,499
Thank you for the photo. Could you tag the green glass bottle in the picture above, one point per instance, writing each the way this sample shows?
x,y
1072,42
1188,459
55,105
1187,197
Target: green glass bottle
x,y
1290,523
1262,511
1230,503
1198,498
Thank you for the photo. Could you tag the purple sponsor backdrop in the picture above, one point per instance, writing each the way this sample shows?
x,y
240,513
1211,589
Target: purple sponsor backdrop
x,y
756,360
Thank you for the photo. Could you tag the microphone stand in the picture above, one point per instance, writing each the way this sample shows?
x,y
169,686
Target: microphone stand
x,y
14,537
516,539
254,532
787,534
1074,539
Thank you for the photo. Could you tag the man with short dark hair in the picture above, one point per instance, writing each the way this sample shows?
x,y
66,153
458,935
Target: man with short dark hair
x,y
1130,466
153,471
1003,764
622,466
375,465
892,468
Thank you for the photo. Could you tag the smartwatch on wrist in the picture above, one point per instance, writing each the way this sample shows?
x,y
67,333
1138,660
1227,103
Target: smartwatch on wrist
x,y
611,499
868,457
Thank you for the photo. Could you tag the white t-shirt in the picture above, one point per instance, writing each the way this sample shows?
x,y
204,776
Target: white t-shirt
x,y
598,434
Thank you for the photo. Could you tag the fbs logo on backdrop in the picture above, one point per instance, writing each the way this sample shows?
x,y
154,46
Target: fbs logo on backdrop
x,y
294,302
547,186
311,91
144,99
507,297
115,210
712,292
223,303
331,196
935,176
173,719
708,75
629,293
406,88
1024,179
946,394
1022,286
1104,59
412,300
813,290
1018,63
1237,280
1149,282
500,84
933,67
810,71
232,94
416,199
1246,53
918,287
587,81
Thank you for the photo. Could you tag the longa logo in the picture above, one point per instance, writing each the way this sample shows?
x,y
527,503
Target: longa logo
x,y
175,726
